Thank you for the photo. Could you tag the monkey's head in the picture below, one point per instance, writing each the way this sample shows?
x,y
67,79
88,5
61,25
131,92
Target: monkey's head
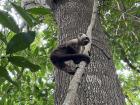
x,y
84,40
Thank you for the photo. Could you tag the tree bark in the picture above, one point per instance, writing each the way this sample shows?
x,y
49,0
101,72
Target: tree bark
x,y
99,84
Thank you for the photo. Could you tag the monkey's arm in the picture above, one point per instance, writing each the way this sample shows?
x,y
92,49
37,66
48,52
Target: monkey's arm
x,y
72,42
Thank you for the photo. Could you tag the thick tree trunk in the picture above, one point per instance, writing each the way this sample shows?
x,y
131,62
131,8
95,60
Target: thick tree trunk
x,y
100,84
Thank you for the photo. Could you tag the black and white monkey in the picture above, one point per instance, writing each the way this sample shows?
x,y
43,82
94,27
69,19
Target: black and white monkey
x,y
70,51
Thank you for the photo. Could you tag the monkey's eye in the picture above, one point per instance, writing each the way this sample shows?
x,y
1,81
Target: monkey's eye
x,y
86,38
85,41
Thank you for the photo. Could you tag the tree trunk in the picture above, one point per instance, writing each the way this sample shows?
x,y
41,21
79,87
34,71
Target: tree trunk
x,y
99,84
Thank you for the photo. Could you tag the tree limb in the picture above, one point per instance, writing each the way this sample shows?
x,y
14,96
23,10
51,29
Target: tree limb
x,y
72,90
126,60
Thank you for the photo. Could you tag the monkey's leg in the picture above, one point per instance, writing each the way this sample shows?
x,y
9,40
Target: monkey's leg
x,y
77,58
69,69
66,68
81,57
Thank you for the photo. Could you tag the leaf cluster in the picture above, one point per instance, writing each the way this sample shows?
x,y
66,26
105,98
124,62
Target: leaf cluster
x,y
24,57
121,22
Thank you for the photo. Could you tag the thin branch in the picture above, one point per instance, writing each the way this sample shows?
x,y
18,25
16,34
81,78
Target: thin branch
x,y
127,97
121,5
72,91
134,18
126,60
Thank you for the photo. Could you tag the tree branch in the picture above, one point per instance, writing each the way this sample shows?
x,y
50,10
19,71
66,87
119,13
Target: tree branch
x,y
72,91
126,60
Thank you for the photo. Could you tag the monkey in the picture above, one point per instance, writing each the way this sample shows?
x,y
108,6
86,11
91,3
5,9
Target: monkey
x,y
52,4
70,51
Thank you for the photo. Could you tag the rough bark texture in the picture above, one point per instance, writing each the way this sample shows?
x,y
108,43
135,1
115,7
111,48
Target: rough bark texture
x,y
99,85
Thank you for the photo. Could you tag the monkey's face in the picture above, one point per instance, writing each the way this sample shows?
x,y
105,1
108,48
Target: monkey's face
x,y
84,41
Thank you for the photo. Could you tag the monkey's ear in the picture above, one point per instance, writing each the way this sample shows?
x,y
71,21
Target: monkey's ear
x,y
82,35
79,35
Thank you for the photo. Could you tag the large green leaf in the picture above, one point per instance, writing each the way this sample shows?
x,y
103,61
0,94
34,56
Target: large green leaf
x,y
22,62
8,21
27,17
4,73
39,11
20,42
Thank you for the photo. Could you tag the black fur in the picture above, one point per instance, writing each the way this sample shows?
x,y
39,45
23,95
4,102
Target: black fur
x,y
69,51
55,1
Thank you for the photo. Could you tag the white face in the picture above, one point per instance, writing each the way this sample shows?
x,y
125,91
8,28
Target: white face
x,y
84,40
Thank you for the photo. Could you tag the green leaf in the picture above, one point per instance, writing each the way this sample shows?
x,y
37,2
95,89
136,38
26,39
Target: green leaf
x,y
39,11
20,42
4,73
1,81
3,38
22,62
4,62
27,17
7,21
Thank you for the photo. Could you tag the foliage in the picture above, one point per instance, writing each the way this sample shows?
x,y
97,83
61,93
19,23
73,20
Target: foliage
x,y
25,68
7,21
121,21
